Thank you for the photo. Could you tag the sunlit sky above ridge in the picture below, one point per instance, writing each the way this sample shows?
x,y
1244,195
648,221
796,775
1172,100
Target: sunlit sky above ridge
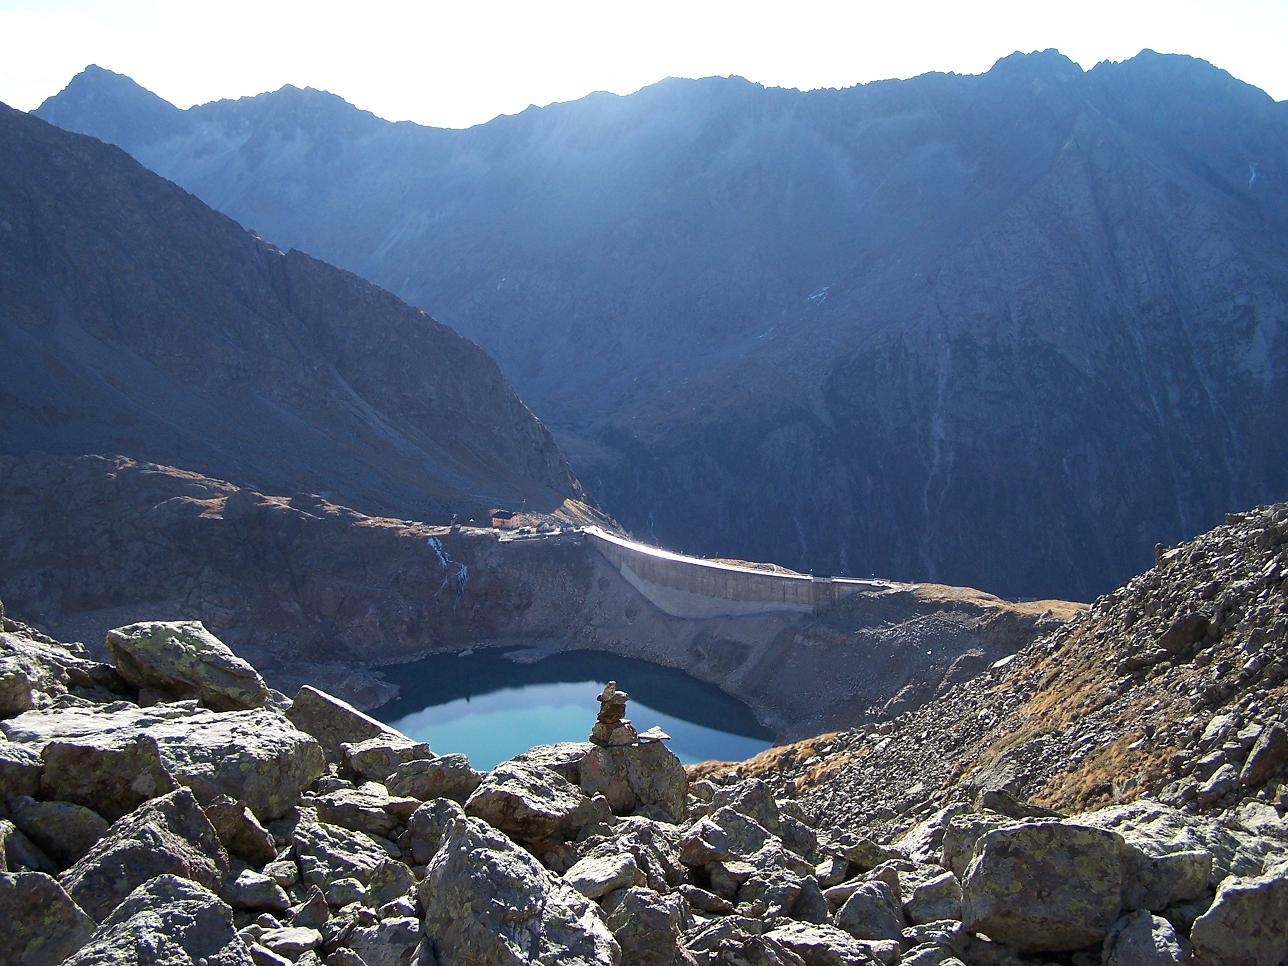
x,y
465,62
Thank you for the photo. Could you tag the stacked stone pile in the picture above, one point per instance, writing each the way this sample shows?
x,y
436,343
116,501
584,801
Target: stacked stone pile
x,y
612,727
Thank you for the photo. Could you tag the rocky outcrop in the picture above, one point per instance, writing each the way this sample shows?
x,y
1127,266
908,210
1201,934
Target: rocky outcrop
x,y
1245,924
637,777
121,755
1044,887
533,804
335,723
182,659
167,835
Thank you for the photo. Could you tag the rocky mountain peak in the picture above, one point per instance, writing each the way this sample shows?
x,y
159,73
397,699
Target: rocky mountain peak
x,y
117,108
292,110
1049,63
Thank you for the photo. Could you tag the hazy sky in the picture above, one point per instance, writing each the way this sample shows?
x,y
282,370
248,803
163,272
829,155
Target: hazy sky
x,y
462,63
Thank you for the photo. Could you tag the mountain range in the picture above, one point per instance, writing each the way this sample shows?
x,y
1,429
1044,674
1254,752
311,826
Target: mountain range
x,y
1007,330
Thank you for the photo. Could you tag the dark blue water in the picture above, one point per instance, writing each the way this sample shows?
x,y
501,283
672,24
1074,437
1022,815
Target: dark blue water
x,y
491,708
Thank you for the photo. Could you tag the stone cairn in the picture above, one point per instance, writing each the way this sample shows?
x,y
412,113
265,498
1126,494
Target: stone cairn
x,y
612,727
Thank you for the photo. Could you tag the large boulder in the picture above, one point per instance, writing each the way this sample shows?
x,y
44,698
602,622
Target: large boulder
x,y
111,773
739,939
64,831
820,945
932,897
1268,754
1044,886
726,835
390,942
753,798
367,808
169,835
35,672
167,921
44,925
446,776
254,890
182,659
961,833
429,825
1247,924
112,757
1143,939
1158,830
375,759
872,912
655,846
565,757
335,723
646,778
531,804
648,927
598,875
20,769
488,902
328,853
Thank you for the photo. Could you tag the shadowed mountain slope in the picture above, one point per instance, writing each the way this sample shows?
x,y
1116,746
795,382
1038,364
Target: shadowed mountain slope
x,y
1005,330
136,320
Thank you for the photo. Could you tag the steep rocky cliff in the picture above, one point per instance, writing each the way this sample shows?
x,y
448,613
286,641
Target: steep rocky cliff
x,y
312,592
135,319
1005,330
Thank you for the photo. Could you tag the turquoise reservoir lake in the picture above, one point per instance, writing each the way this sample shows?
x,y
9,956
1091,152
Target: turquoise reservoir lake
x,y
492,708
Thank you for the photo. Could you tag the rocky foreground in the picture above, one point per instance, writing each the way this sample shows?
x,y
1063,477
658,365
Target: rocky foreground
x,y
168,807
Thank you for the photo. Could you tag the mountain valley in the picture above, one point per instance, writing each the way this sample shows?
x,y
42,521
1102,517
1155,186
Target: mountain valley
x,y
1005,330
834,359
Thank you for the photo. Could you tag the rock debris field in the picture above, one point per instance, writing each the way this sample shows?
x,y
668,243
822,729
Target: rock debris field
x,y
170,808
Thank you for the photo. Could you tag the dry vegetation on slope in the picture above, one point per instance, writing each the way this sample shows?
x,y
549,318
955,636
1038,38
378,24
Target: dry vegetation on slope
x,y
1162,688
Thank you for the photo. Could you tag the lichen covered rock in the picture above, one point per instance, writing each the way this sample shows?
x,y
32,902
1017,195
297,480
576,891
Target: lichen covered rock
x,y
183,659
167,836
113,757
1044,886
166,921
335,723
1245,925
488,902
647,778
531,804
43,926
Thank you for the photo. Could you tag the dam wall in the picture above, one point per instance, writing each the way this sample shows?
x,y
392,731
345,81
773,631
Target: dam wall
x,y
694,588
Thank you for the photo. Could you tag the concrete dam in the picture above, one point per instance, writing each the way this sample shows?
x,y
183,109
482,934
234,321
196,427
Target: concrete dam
x,y
694,588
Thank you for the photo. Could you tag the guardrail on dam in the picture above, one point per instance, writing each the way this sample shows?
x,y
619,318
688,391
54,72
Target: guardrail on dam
x,y
694,588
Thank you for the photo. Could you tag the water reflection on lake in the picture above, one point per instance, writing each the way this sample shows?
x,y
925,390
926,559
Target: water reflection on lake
x,y
491,708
